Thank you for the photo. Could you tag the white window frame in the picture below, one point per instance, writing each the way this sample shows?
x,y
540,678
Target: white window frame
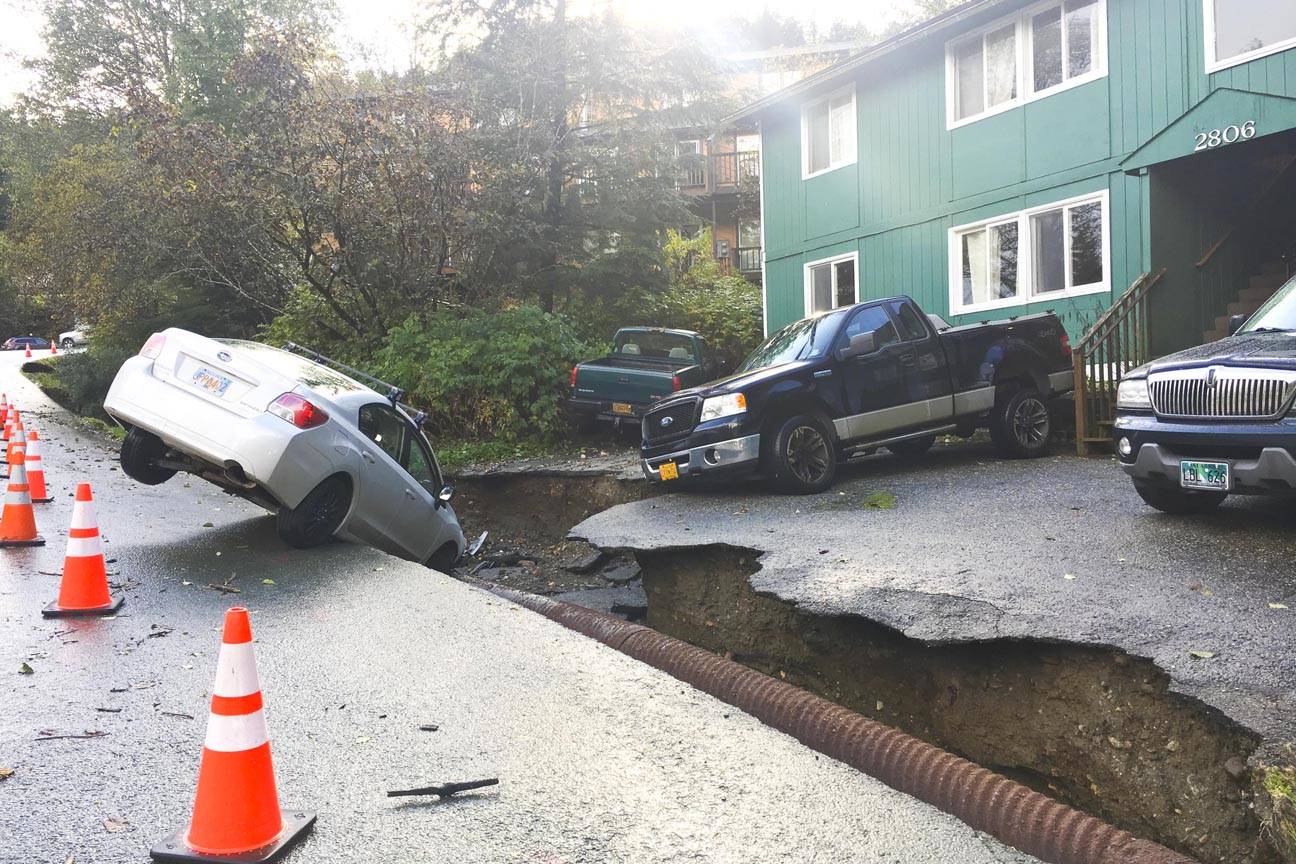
x,y
807,303
1026,293
806,173
1214,64
1026,92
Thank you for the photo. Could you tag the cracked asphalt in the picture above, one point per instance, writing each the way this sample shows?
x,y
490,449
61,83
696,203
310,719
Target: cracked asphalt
x,y
980,548
600,758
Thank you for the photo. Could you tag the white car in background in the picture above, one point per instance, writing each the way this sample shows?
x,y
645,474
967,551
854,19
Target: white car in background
x,y
73,338
326,453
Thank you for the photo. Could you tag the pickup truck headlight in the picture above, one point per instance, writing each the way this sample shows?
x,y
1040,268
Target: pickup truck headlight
x,y
723,406
1132,395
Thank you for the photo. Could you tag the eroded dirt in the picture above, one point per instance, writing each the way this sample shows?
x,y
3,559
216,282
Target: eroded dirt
x,y
1095,728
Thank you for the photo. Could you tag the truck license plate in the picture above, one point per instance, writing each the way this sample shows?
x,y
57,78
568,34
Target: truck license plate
x,y
205,379
1204,475
668,471
622,408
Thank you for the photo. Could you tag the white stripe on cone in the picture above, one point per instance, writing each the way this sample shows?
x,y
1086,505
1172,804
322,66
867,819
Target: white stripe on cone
x,y
231,734
236,673
84,547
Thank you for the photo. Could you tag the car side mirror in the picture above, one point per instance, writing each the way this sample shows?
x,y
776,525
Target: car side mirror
x,y
446,493
860,344
1235,323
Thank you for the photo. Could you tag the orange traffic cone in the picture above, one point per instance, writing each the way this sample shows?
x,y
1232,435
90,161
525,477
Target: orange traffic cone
x,y
4,408
84,590
35,466
53,347
18,521
10,422
17,440
27,353
236,815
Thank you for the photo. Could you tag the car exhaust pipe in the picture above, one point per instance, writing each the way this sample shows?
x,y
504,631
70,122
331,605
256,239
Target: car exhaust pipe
x,y
233,473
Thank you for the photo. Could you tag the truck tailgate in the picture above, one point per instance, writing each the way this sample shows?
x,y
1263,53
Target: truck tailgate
x,y
636,385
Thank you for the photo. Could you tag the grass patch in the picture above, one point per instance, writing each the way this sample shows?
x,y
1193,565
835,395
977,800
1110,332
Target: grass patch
x,y
1277,808
94,424
461,454
878,501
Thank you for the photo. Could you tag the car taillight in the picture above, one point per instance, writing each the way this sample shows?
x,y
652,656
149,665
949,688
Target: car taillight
x,y
153,347
1066,344
571,382
298,411
675,382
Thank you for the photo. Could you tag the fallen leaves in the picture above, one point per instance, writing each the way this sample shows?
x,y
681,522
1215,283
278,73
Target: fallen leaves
x,y
115,826
1201,655
24,669
6,772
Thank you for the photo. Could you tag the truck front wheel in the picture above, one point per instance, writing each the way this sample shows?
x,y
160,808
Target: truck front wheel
x,y
1020,424
1178,502
801,456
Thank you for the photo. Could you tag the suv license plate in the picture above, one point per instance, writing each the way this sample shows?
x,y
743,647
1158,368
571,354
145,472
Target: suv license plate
x,y
622,408
668,471
205,379
1204,475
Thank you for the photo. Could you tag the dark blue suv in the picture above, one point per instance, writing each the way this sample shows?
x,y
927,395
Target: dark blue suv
x,y
1194,427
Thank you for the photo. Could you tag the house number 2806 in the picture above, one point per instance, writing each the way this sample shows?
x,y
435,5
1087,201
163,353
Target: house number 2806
x,y
1227,135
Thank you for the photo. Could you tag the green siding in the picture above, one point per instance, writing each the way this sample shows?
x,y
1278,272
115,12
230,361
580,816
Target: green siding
x,y
914,179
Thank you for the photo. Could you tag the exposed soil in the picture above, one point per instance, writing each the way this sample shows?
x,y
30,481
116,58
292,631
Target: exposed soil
x,y
1095,728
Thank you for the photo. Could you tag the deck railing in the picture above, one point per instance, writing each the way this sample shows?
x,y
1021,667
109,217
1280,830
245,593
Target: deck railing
x,y
719,172
1115,344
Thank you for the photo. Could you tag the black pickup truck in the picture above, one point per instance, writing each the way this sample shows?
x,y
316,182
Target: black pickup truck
x,y
1196,426
876,374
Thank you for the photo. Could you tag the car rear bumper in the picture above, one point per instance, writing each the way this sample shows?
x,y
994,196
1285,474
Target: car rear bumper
x,y
1259,455
734,455
285,462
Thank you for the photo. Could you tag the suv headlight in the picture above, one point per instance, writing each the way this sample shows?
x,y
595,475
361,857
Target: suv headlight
x,y
1132,395
723,406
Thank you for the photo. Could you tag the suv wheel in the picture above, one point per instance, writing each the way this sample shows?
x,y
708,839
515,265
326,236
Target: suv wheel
x,y
444,559
319,515
139,449
1020,424
801,456
1178,502
67,344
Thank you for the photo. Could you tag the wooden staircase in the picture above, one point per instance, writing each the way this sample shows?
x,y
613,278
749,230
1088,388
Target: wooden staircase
x,y
1260,288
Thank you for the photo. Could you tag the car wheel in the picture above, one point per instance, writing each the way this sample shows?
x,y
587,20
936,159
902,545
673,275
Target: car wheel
x,y
1178,502
444,559
1020,424
139,450
913,448
801,456
319,515
67,343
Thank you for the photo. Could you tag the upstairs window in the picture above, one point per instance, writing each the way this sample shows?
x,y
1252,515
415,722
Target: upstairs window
x,y
1037,52
830,284
828,133
1241,30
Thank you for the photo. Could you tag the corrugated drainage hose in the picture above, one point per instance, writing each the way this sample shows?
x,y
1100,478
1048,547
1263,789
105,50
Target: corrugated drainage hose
x,y
1018,816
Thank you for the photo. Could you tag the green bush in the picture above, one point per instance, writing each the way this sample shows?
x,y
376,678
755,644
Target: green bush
x,y
485,374
83,378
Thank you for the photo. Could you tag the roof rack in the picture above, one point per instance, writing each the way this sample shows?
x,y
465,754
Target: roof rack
x,y
394,393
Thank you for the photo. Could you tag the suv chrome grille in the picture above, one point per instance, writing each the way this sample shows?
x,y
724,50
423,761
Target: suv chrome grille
x,y
670,421
1222,392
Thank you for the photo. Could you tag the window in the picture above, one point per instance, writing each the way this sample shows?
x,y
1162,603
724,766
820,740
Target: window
x,y
1037,52
1065,249
828,133
870,319
384,427
1242,30
911,325
830,284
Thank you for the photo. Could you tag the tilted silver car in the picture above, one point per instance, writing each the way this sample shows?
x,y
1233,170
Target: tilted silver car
x,y
329,455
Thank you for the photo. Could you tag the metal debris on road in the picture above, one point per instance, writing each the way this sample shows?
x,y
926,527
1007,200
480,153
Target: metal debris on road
x,y
445,790
428,727
51,735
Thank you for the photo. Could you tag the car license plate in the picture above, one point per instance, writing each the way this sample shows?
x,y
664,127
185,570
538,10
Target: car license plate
x,y
622,408
668,471
205,379
1204,475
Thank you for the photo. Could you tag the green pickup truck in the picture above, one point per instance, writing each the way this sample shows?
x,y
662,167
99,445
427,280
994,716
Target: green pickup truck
x,y
646,364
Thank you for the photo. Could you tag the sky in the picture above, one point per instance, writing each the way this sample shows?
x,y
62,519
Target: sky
x,y
377,33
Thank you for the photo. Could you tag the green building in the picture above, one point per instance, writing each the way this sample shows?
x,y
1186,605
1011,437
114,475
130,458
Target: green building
x,y
1006,158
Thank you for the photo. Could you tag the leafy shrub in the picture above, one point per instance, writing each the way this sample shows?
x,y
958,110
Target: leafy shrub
x,y
485,374
725,309
84,378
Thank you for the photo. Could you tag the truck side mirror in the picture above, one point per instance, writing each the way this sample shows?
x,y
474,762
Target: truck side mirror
x,y
1235,323
860,344
444,496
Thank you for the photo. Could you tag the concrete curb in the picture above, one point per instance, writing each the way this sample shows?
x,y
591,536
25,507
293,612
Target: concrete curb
x,y
989,802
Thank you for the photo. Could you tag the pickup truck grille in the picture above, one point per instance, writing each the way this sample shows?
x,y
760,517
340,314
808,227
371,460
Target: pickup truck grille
x,y
672,420
1222,392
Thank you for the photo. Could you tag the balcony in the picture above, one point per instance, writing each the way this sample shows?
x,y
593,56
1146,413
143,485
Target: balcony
x,y
719,173
745,260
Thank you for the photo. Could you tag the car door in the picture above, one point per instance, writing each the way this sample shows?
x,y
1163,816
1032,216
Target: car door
x,y
930,393
873,387
422,523
380,492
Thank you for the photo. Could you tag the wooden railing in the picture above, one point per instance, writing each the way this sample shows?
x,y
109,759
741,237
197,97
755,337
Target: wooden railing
x,y
1115,344
719,172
